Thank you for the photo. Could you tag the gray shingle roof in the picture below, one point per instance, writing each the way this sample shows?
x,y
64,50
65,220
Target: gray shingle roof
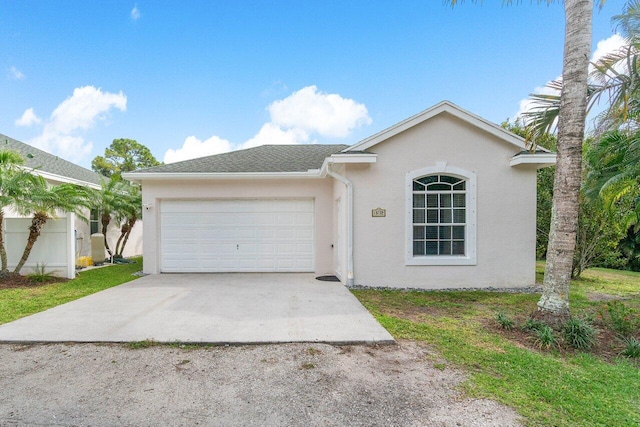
x,y
41,160
263,159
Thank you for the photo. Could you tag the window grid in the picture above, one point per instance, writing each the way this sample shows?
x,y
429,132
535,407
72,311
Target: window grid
x,y
439,216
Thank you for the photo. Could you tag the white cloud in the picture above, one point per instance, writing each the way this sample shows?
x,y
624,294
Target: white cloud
x,y
84,107
77,113
28,118
135,12
271,133
15,74
293,120
607,46
603,48
193,147
314,111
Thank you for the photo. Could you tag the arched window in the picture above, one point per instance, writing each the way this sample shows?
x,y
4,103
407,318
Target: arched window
x,y
441,217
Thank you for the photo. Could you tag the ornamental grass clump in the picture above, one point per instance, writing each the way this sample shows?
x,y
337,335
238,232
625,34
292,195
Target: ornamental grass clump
x,y
545,338
533,325
631,347
579,333
504,321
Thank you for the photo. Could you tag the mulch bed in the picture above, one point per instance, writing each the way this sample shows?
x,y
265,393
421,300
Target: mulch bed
x,y
15,281
607,347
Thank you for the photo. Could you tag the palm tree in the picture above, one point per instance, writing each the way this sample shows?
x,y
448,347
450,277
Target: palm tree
x,y
110,201
614,171
131,212
15,185
554,303
614,81
44,203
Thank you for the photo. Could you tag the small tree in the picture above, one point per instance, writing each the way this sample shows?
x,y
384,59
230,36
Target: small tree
x,y
131,211
44,203
599,231
112,203
123,155
15,185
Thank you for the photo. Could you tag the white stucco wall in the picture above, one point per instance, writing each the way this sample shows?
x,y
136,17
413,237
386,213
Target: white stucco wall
x,y
321,190
506,209
340,218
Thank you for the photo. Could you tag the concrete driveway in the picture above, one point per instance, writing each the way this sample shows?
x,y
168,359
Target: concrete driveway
x,y
232,308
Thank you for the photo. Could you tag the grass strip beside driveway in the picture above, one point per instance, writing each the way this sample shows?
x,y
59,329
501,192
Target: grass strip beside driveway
x,y
552,388
21,302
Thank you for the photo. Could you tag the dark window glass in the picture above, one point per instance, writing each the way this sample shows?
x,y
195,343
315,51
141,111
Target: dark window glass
x,y
440,201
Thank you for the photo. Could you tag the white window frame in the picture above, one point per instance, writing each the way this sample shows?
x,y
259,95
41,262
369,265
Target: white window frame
x,y
470,256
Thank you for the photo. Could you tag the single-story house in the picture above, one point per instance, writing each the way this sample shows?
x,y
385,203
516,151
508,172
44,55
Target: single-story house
x,y
443,199
66,237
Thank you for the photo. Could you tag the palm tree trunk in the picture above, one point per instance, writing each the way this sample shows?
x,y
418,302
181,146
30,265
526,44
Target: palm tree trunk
x,y
123,232
106,219
132,222
38,221
554,303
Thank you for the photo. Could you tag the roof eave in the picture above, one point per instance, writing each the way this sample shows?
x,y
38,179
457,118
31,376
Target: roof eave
x,y
163,176
540,160
353,158
343,158
60,178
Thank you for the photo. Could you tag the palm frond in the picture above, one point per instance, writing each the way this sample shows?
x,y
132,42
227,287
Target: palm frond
x,y
628,22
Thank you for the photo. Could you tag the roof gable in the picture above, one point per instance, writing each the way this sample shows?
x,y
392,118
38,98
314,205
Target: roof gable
x,y
51,166
440,108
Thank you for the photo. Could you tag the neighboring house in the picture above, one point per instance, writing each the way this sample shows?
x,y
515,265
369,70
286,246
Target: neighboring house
x,y
443,199
66,237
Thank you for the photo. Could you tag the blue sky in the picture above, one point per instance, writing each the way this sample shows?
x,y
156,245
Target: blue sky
x,y
232,74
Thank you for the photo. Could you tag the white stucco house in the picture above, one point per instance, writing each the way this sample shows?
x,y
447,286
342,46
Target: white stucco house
x,y
443,199
66,237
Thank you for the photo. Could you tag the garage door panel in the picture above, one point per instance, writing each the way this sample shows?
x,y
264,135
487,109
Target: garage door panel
x,y
285,233
304,219
304,234
304,248
266,233
286,219
268,219
237,235
267,248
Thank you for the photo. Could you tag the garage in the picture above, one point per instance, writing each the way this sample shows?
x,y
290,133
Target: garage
x,y
237,235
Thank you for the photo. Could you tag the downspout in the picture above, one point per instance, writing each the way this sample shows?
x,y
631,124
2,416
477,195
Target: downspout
x,y
349,186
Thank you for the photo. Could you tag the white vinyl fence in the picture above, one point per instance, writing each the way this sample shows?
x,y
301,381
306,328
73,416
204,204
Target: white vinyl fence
x,y
55,248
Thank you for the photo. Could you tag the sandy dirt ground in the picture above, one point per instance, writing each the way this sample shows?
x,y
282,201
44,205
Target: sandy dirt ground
x,y
270,385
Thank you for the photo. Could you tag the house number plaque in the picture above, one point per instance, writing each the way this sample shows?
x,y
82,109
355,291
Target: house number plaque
x,y
378,213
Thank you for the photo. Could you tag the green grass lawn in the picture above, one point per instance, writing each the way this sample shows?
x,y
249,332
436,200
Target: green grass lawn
x,y
20,302
554,388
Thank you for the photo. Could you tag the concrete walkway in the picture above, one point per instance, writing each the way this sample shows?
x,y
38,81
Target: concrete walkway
x,y
233,308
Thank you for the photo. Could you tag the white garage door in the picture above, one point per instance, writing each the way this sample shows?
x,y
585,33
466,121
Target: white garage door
x,y
237,235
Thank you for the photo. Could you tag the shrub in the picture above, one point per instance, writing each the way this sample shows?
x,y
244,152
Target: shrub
x,y
579,333
40,275
624,319
504,321
546,338
631,347
533,325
